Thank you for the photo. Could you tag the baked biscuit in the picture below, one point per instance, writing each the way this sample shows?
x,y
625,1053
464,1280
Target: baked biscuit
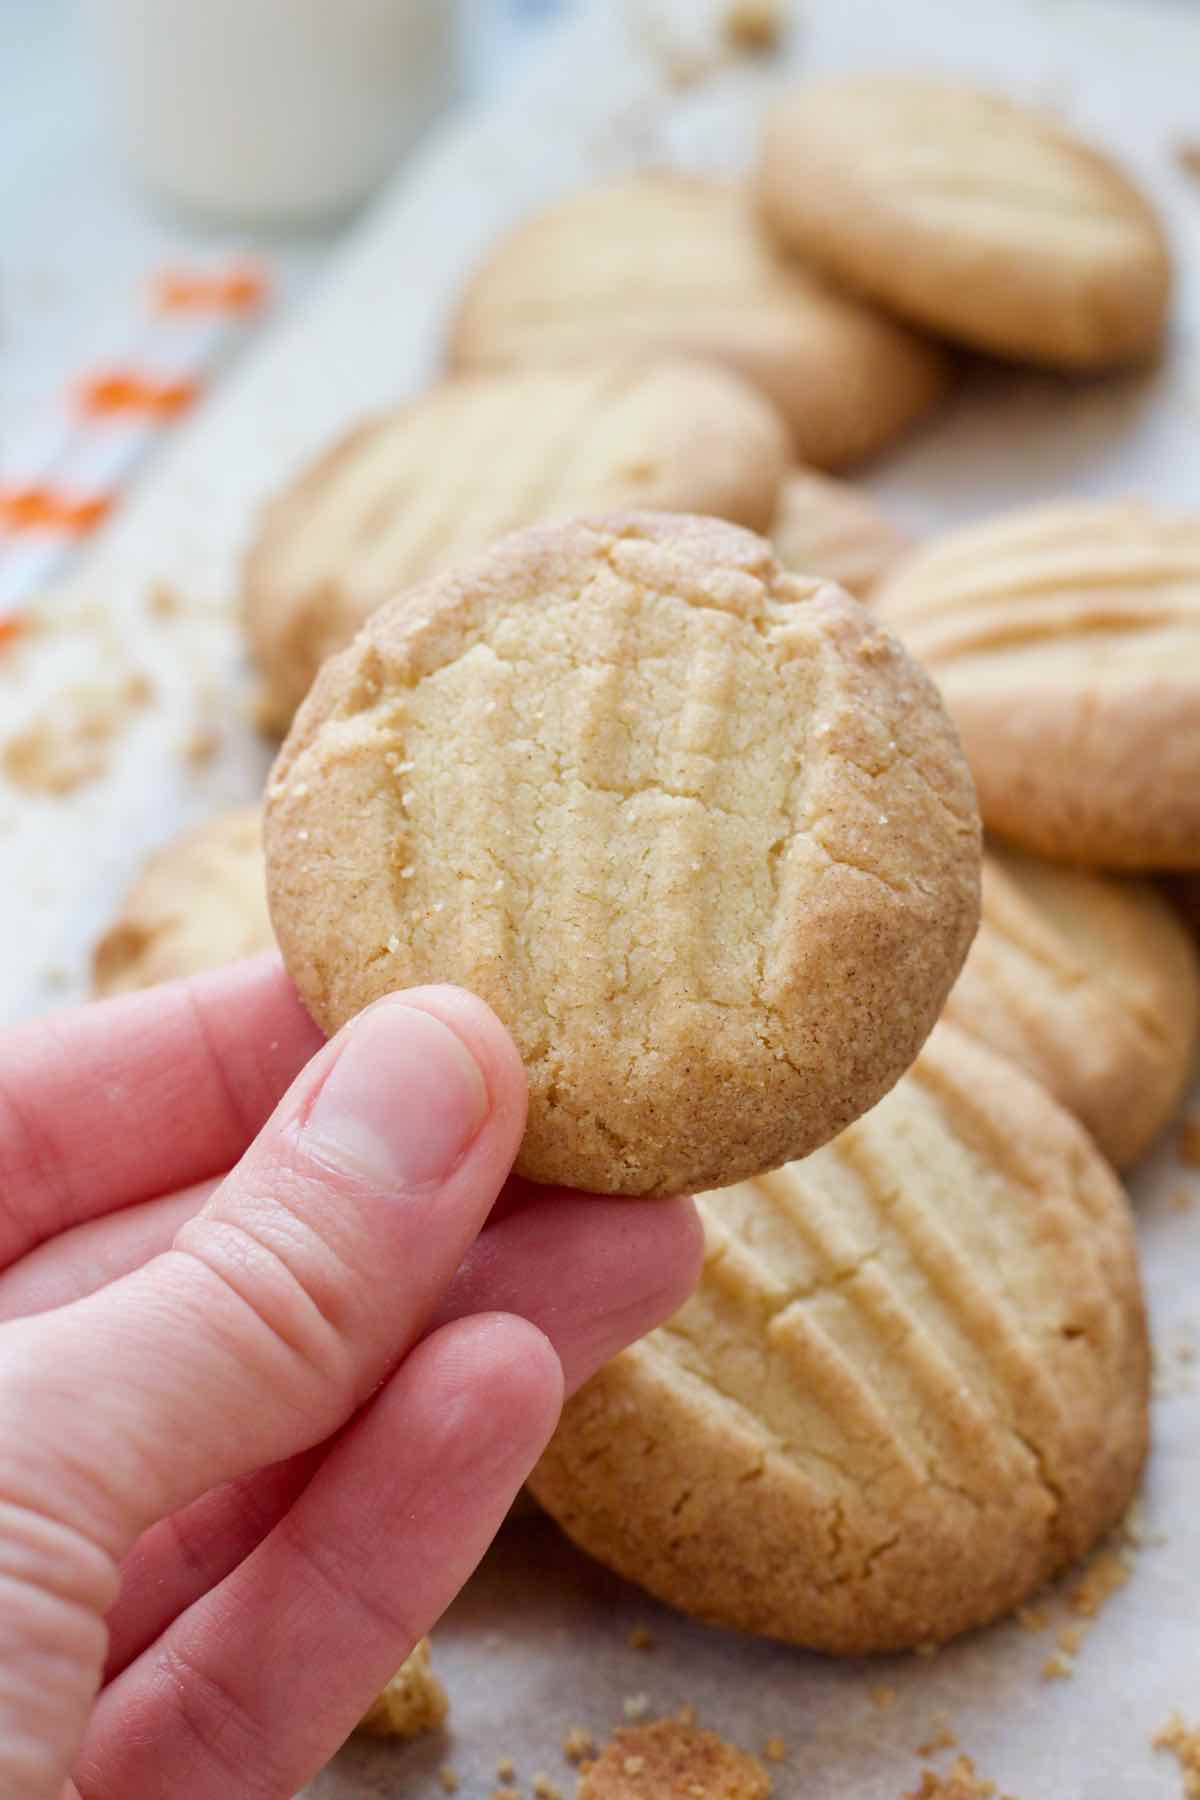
x,y
1066,642
670,1760
911,1385
408,493
827,527
200,901
413,1702
698,830
1091,984
970,215
667,261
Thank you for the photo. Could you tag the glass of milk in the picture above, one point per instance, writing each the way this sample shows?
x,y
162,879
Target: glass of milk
x,y
271,111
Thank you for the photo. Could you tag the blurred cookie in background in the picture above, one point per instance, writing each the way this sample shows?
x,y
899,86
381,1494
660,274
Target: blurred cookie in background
x,y
1091,984
403,495
199,902
667,261
1065,639
970,215
823,526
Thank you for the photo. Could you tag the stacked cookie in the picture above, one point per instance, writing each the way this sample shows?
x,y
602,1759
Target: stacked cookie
x,y
702,831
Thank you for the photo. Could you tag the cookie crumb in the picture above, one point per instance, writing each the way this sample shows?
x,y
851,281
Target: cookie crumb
x,y
940,1738
1103,1577
775,1750
1057,1667
448,1779
640,1639
413,1702
545,1789
1189,1141
201,746
635,1706
506,1769
578,1744
755,25
1069,1639
1183,1742
1032,1618
686,1715
164,601
1187,158
67,744
882,1698
667,1758
504,1792
961,1783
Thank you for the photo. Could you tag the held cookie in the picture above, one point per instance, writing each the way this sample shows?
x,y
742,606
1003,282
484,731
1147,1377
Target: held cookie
x,y
911,1385
698,830
970,215
200,901
1066,642
827,527
676,262
408,493
1091,984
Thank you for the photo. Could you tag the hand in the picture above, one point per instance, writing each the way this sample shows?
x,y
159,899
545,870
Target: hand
x,y
257,1431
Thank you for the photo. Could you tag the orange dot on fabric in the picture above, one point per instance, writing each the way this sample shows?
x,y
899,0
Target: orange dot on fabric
x,y
12,625
122,391
40,508
242,289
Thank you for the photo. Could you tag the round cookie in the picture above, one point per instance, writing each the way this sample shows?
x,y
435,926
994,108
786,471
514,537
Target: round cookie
x,y
1066,642
199,902
661,261
698,830
970,215
1091,984
911,1385
827,527
408,493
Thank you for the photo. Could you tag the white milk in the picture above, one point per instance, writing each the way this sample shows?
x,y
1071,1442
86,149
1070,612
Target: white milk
x,y
271,110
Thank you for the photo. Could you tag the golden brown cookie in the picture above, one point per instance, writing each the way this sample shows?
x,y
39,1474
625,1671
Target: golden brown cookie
x,y
1092,985
911,1385
698,830
1066,642
410,492
827,527
970,215
671,1760
676,262
413,1702
200,901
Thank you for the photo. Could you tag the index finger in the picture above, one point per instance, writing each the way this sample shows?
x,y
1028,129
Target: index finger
x,y
122,1100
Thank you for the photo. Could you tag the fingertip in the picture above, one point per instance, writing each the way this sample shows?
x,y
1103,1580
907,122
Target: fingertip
x,y
503,1351
681,1248
485,1037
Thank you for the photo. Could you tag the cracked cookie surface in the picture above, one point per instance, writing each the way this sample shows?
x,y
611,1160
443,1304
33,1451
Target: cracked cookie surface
x,y
911,1384
699,831
1065,640
667,261
968,214
406,494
